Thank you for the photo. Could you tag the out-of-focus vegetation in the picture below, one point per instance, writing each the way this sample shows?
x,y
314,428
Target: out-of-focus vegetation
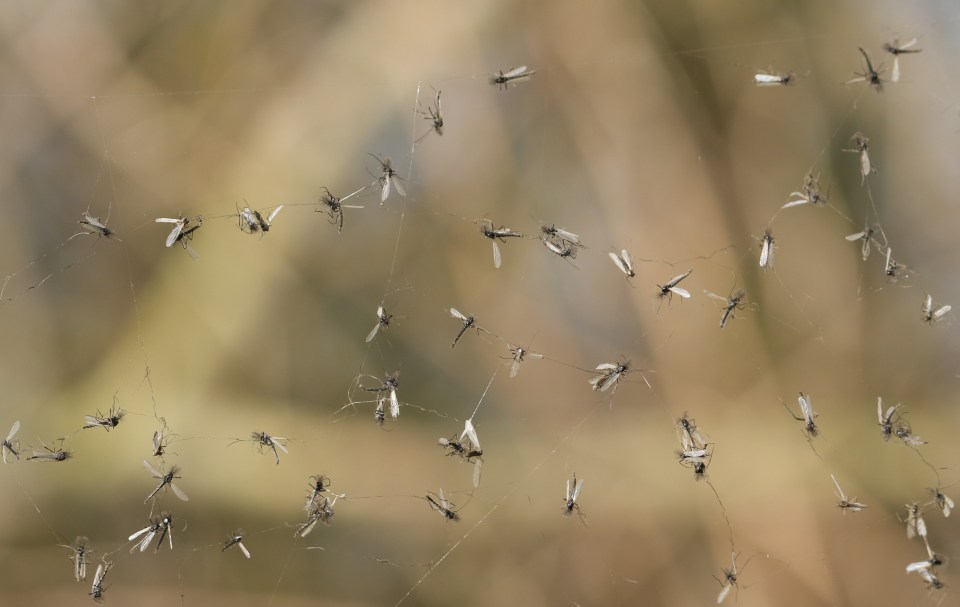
x,y
641,129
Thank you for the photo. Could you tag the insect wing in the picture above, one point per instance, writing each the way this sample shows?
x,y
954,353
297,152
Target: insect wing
x,y
765,256
456,314
394,405
865,166
681,292
156,473
895,73
179,492
576,490
243,549
13,430
940,312
724,592
496,254
477,465
384,188
470,432
515,72
275,441
396,184
273,214
621,263
373,332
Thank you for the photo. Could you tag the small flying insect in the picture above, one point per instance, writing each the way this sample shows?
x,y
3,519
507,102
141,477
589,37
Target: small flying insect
x,y
512,76
775,79
468,321
933,582
79,557
159,443
896,48
870,75
729,579
454,445
846,504
885,419
861,145
518,355
182,232
495,234
808,415
97,590
107,422
563,250
441,505
273,442
689,434
236,539
867,237
697,458
322,511
162,524
905,433
766,248
166,479
893,270
388,178
10,445
933,560
610,375
559,236
379,414
670,289
252,221
731,304
93,225
390,385
932,313
624,262
944,503
811,193
435,116
59,454
915,523
383,320
334,207
318,484
470,433
570,497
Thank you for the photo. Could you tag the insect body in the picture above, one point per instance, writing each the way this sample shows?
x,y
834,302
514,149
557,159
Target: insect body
x,y
383,320
388,178
182,232
252,221
844,503
624,262
10,445
495,234
932,313
512,76
236,539
166,480
93,225
97,590
441,505
896,48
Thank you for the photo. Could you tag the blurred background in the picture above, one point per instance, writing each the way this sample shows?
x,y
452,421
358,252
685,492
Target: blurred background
x,y
641,130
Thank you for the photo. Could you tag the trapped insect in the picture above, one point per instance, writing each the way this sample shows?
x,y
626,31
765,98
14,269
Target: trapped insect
x,y
79,557
559,236
729,579
10,445
383,320
810,193
321,511
252,221
892,270
468,322
51,455
97,590
519,354
334,207
905,433
932,313
182,232
610,375
870,75
914,520
944,503
861,145
166,480
808,415
388,178
689,434
441,505
236,539
846,504
731,304
159,443
896,48
93,225
670,289
774,79
867,237
563,250
390,385
512,76
573,492
273,442
624,262
435,116
318,484
107,422
162,524
495,234
766,248
886,418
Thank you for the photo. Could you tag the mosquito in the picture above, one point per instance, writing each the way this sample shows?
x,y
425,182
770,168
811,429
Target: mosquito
x,y
93,225
729,579
159,443
571,495
915,522
861,145
731,304
808,415
166,479
79,557
774,79
441,505
51,455
97,590
390,384
896,48
559,236
766,248
933,560
236,539
182,232
468,321
388,177
867,237
318,484
624,262
932,313
697,458
870,75
885,419
495,234
811,193
252,221
690,437
563,250
892,270
10,445
107,422
670,289
512,76
322,511
610,375
846,504
265,440
905,433
383,320
928,576
519,354
334,207
435,116
944,503
162,524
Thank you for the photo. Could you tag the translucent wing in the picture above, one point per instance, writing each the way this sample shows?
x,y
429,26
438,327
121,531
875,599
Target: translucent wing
x,y
139,533
856,237
152,470
576,490
274,213
895,73
513,73
396,184
243,549
275,441
620,263
384,189
765,254
567,497
681,292
394,405
477,465
456,314
515,367
470,432
373,332
179,492
724,592
865,163
496,254
13,429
